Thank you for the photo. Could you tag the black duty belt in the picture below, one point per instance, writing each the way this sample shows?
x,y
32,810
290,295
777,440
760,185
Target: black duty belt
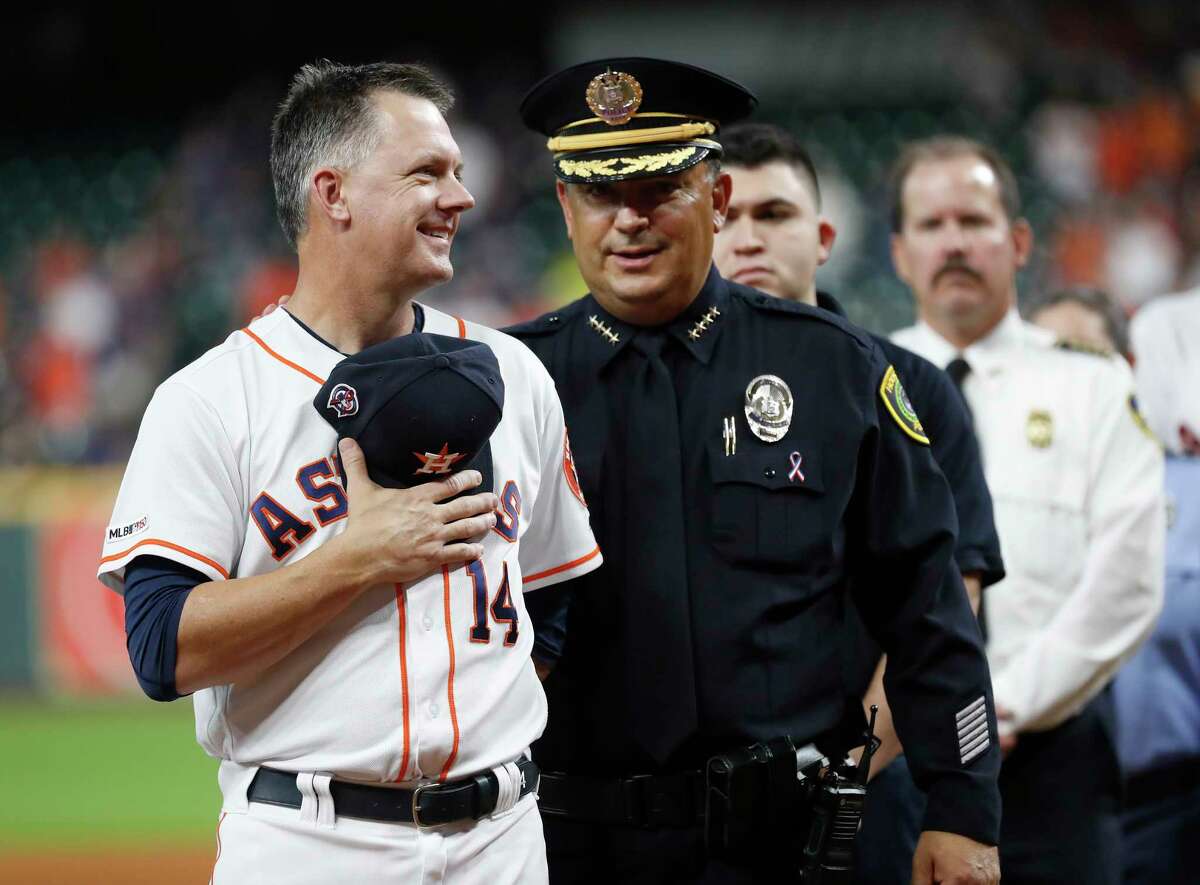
x,y
671,800
427,806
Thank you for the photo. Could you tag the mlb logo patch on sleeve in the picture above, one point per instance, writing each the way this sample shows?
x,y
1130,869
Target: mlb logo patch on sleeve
x,y
120,532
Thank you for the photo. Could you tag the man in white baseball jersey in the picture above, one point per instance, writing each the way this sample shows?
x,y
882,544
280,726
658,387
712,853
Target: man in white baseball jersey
x,y
359,654
1076,483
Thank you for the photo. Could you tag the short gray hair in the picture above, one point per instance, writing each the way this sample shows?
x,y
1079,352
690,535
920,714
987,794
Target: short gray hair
x,y
329,119
950,147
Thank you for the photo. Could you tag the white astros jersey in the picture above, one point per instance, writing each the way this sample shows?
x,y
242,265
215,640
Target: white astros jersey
x,y
233,474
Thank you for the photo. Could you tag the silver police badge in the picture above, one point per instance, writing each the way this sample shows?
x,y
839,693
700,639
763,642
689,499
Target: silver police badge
x,y
768,407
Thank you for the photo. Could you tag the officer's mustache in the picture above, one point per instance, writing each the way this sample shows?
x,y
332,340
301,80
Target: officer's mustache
x,y
956,264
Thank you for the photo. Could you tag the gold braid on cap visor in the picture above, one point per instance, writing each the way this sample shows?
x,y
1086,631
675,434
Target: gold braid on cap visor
x,y
611,167
627,137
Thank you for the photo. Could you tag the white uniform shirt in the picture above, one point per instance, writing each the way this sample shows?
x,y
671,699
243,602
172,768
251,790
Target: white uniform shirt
x,y
1077,488
1165,336
400,686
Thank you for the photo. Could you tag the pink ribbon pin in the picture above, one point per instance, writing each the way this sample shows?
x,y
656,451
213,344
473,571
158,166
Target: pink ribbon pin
x,y
795,474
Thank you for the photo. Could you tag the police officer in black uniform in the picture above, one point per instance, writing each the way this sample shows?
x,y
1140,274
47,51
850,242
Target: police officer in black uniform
x,y
775,237
748,462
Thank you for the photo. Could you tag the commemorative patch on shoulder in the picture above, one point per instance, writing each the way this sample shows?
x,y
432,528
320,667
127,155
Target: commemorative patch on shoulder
x,y
891,391
1140,420
572,476
121,532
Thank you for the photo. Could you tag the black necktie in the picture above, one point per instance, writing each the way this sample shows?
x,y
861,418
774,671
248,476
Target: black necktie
x,y
662,686
958,369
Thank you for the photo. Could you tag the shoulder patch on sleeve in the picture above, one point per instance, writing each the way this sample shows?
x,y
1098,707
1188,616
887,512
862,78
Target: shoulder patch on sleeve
x,y
569,470
1140,421
891,391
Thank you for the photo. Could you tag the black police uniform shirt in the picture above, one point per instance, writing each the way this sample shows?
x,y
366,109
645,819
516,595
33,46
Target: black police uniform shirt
x,y
768,555
948,425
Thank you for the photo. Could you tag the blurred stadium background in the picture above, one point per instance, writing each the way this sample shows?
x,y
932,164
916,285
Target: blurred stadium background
x,y
139,231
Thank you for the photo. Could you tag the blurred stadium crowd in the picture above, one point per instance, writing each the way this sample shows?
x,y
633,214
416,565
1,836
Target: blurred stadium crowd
x,y
124,255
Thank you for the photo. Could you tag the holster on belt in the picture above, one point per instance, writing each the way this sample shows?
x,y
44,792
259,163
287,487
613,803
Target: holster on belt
x,y
789,808
751,800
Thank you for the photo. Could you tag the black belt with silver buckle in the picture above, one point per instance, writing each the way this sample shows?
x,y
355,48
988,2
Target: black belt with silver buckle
x,y
427,806
649,801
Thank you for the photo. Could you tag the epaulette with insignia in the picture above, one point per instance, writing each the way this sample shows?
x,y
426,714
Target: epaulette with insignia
x,y
763,301
1083,347
546,324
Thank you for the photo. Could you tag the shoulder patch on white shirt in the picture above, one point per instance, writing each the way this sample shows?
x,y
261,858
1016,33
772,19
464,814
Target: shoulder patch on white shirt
x,y
1140,421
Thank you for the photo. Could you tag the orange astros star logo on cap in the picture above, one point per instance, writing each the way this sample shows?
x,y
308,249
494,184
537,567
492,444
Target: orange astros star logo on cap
x,y
437,462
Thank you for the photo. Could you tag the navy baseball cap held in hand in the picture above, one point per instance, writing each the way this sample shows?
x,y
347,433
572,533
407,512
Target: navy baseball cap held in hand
x,y
421,406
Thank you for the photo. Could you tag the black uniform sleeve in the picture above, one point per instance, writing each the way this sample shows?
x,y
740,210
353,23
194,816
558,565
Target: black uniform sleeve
x,y
910,595
956,450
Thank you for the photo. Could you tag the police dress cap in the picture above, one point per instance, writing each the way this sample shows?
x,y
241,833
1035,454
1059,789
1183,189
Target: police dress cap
x,y
619,118
421,406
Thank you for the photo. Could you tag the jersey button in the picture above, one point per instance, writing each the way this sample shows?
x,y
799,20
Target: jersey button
x,y
433,710
428,623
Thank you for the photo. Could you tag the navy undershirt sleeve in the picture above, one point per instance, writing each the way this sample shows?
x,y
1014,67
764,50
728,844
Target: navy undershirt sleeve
x,y
547,610
155,591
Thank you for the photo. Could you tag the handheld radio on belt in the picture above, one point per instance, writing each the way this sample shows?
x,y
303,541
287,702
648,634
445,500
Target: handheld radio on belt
x,y
758,797
836,799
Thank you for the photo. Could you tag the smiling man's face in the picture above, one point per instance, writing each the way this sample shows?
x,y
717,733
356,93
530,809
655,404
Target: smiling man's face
x,y
644,246
407,198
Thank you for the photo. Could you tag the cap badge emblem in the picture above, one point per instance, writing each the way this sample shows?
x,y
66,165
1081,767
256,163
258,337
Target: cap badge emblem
x,y
768,407
343,399
614,97
1039,429
437,462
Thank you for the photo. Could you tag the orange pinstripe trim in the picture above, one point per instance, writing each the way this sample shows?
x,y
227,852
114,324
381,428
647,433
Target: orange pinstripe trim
x,y
285,360
562,568
192,553
449,679
400,607
462,329
218,857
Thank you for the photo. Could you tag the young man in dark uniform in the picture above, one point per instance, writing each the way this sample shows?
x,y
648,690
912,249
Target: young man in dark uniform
x,y
774,238
748,462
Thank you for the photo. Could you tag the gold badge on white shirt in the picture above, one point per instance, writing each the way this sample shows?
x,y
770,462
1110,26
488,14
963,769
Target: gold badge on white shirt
x,y
1039,429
